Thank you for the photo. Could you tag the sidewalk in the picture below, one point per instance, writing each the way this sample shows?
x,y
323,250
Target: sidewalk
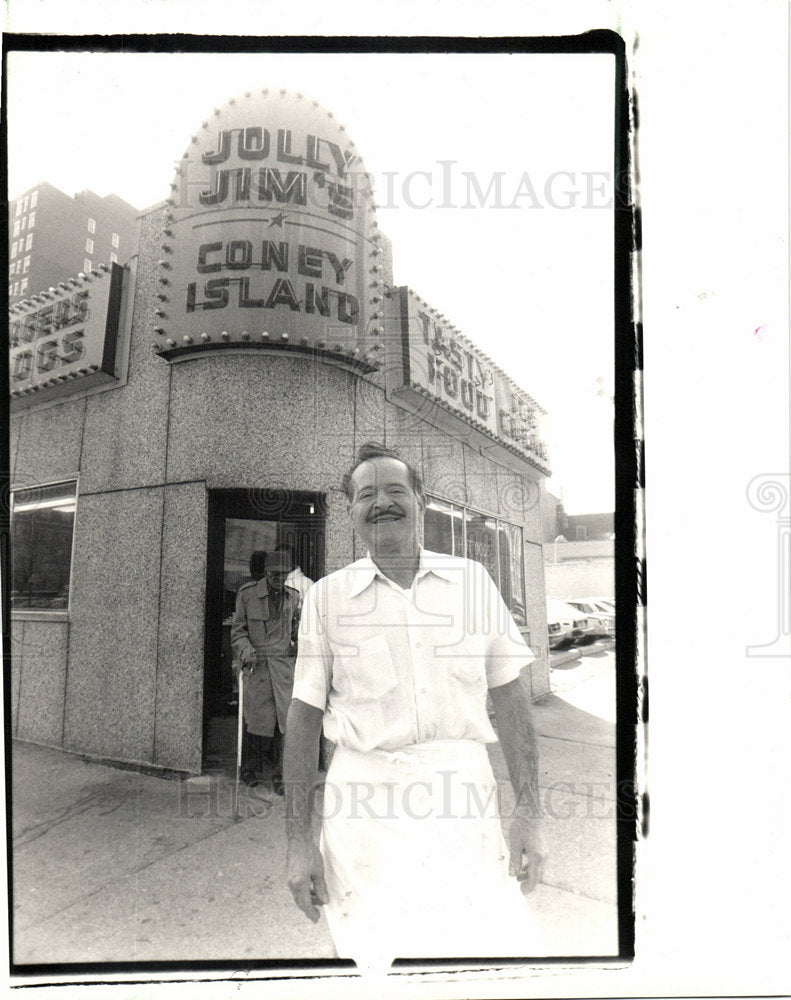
x,y
115,866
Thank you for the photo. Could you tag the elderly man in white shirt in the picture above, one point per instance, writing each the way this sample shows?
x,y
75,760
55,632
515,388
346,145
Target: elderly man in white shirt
x,y
396,654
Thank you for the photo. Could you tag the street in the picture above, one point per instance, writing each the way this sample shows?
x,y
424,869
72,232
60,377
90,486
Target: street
x,y
588,683
111,865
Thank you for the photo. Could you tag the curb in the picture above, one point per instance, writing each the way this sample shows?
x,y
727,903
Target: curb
x,y
567,656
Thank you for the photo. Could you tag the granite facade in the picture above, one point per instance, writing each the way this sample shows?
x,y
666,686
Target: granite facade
x,y
369,412
41,652
110,698
443,466
126,429
480,477
49,443
180,633
536,614
262,421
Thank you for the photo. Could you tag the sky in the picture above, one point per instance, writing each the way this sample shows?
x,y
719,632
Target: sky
x,y
493,175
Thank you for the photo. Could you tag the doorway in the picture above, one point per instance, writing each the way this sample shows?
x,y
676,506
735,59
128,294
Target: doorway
x,y
241,522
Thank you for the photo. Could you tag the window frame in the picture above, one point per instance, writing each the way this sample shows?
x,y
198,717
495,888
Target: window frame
x,y
467,509
45,614
91,226
114,240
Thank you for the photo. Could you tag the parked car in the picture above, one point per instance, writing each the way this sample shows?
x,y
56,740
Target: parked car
x,y
607,603
602,620
559,634
573,626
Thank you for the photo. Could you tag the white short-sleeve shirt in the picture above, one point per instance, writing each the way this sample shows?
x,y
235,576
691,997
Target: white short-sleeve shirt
x,y
392,667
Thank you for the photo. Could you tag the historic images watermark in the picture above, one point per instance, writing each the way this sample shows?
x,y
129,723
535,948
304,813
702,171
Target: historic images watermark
x,y
770,493
444,184
212,798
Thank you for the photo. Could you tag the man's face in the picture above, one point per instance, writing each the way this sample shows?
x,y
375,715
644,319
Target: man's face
x,y
384,508
277,569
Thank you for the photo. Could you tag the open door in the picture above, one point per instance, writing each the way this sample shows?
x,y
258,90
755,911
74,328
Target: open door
x,y
240,522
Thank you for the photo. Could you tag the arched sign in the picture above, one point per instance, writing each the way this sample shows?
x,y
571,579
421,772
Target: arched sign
x,y
271,238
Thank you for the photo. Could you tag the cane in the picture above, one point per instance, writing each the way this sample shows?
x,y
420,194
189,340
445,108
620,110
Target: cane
x,y
239,737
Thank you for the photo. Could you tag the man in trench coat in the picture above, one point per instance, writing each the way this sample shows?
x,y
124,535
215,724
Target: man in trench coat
x,y
263,637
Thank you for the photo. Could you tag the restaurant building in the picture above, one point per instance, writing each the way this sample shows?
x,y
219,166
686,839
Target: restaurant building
x,y
172,415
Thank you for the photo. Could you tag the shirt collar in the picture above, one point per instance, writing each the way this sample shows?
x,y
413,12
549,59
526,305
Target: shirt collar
x,y
365,570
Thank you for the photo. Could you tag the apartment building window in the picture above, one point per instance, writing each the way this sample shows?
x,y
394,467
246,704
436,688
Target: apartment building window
x,y
86,265
89,245
16,228
14,248
23,286
18,208
91,225
29,241
12,271
113,258
42,535
31,220
497,544
15,289
26,264
33,199
24,204
114,239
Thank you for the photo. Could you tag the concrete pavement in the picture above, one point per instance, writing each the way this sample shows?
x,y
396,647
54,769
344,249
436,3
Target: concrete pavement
x,y
112,865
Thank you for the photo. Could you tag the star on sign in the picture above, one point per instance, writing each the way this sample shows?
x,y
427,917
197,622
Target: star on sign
x,y
276,221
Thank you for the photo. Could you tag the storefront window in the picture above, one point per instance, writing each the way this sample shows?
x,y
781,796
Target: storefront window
x,y
42,531
443,529
512,569
482,542
496,544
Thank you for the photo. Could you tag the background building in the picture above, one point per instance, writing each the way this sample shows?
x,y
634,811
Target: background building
x,y
579,551
53,237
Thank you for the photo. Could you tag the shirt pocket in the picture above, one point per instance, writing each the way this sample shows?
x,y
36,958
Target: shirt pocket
x,y
468,671
365,671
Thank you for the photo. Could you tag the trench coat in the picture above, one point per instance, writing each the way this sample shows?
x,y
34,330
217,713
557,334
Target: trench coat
x,y
267,690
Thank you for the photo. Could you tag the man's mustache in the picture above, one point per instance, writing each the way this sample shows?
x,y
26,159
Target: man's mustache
x,y
391,511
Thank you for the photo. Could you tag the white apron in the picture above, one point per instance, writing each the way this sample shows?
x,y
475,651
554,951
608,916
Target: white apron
x,y
415,860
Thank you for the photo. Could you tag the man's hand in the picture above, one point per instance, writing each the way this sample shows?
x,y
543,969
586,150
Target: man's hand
x,y
305,876
248,659
527,854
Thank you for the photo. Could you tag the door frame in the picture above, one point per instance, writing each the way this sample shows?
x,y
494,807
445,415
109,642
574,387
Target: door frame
x,y
292,506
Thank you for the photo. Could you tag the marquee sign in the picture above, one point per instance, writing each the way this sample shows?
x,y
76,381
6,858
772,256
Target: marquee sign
x,y
66,339
432,367
271,238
